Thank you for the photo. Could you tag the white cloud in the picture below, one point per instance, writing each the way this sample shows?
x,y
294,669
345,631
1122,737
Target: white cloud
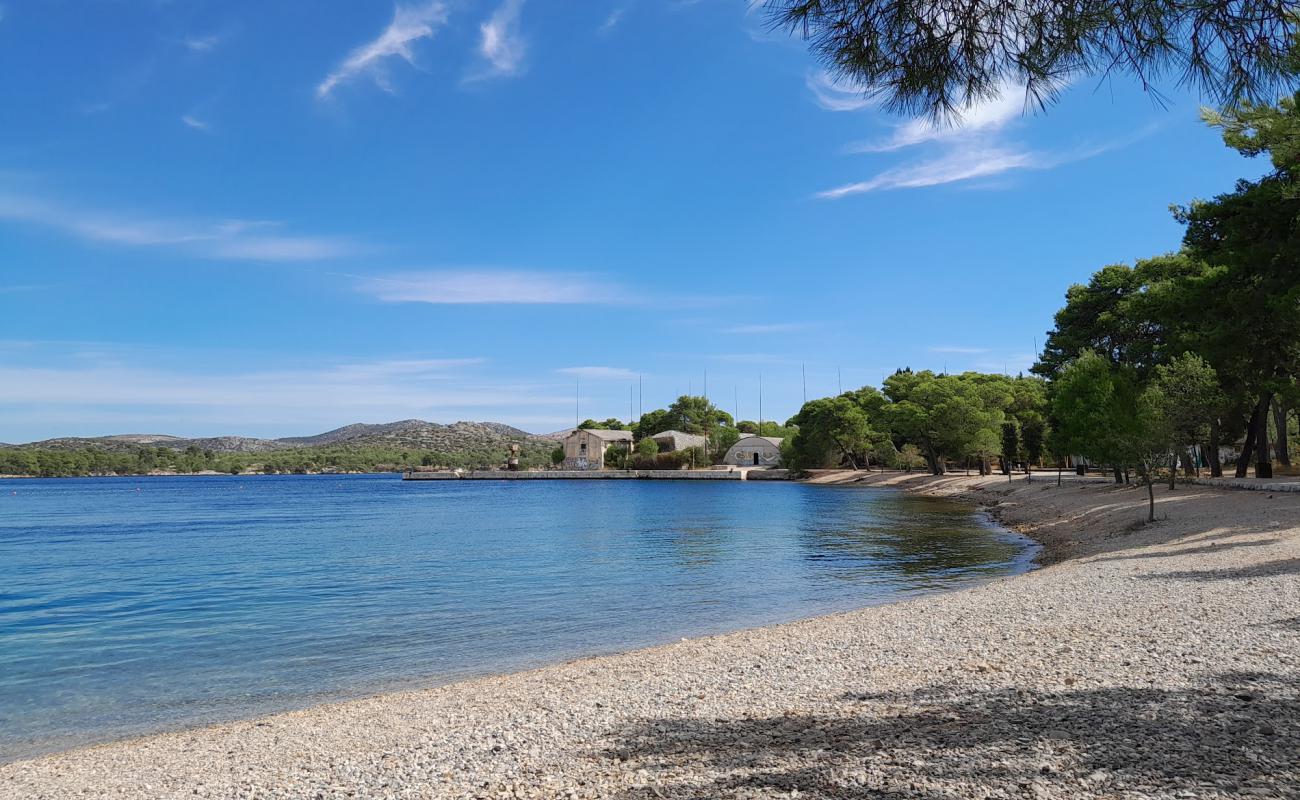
x,y
195,123
599,373
981,117
612,20
493,286
239,240
53,399
202,44
771,327
836,95
979,159
957,165
410,24
501,46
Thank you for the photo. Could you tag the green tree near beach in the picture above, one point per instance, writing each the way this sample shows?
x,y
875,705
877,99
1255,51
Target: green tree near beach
x,y
1189,398
833,431
1010,446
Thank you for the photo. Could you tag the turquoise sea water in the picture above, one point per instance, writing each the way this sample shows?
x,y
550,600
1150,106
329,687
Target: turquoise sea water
x,y
130,605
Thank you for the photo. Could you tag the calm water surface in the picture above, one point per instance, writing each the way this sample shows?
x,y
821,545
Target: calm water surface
x,y
130,605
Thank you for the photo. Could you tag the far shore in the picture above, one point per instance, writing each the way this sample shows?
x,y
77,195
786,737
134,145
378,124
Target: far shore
x,y
1147,660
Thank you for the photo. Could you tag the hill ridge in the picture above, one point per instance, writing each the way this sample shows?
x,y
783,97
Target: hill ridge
x,y
414,434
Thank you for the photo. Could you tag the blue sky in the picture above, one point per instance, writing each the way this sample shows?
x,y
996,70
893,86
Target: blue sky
x,y
272,219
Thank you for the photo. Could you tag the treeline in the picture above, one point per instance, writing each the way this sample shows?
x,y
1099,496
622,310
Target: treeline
x,y
146,460
1148,366
924,419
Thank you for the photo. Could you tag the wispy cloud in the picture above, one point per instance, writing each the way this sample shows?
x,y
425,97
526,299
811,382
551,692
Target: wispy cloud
x,y
971,145
49,399
836,95
196,123
982,117
410,24
958,165
241,240
979,160
202,44
952,348
612,20
772,327
477,286
599,373
501,47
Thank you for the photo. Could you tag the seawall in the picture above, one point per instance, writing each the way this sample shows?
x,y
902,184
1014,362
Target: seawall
x,y
736,474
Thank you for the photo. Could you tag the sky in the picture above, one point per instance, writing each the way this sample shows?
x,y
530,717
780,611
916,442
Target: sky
x,y
267,219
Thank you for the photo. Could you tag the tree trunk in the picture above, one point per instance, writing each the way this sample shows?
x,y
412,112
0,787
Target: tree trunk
x,y
1119,475
1060,467
1212,451
1263,464
1126,480
1173,469
1151,496
1280,413
1248,448
1193,463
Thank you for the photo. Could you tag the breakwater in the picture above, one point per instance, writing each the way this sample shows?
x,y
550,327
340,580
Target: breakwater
x,y
603,474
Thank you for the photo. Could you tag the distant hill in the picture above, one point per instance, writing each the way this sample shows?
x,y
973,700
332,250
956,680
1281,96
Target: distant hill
x,y
413,434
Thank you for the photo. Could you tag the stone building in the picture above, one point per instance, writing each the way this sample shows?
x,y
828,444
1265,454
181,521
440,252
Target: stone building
x,y
671,441
755,451
585,449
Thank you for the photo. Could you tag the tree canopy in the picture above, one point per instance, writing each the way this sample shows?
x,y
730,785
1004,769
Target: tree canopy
x,y
935,57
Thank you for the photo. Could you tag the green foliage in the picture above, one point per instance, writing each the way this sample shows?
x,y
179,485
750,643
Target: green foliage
x,y
948,416
770,428
143,460
910,458
610,424
647,448
933,56
691,414
832,431
721,441
1254,129
1032,433
1010,445
695,415
651,423
557,455
1189,397
1103,414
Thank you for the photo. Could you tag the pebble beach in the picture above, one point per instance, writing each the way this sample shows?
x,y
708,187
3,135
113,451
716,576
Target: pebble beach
x,y
1141,661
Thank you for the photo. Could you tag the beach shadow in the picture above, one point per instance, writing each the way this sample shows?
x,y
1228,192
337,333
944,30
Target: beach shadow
x,y
1239,731
1207,549
1268,569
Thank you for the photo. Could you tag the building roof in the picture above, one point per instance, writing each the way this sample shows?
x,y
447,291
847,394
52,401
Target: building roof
x,y
608,436
682,440
775,441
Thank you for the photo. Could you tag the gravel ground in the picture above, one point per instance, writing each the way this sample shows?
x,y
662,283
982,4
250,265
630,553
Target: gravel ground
x,y
1149,661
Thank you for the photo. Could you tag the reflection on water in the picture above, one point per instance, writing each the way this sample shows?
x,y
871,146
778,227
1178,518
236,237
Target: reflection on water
x,y
132,605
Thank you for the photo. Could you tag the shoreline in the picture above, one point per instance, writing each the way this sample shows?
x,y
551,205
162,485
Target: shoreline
x,y
540,730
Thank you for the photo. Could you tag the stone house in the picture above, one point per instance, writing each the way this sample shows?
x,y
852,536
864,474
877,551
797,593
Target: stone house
x,y
585,449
